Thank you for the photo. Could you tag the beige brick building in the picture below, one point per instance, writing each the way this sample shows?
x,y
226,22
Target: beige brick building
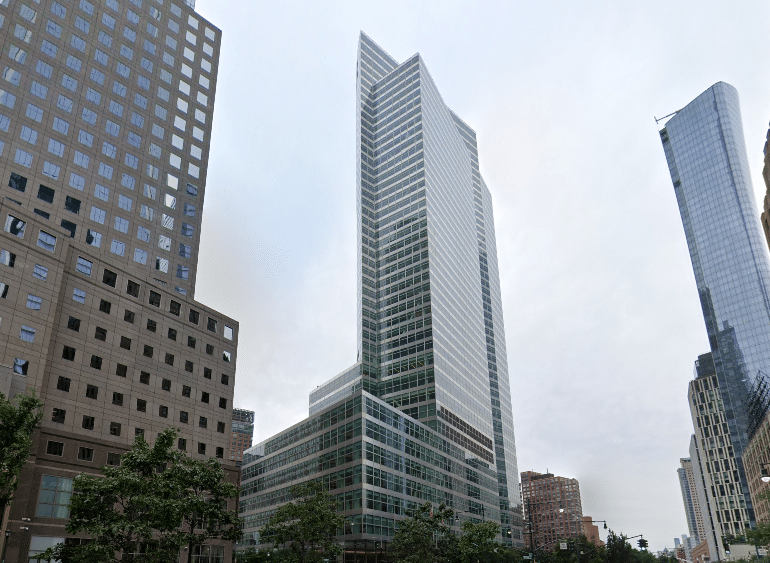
x,y
105,122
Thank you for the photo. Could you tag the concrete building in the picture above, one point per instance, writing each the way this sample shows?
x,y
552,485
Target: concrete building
x,y
552,508
706,155
430,388
105,121
692,502
243,432
591,531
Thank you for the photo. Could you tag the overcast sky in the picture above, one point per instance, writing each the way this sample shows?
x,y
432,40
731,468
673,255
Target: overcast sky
x,y
601,311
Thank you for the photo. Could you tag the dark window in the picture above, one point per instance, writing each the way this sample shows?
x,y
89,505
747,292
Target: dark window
x,y
209,349
58,415
172,333
100,333
182,444
125,343
166,385
144,377
138,431
204,397
141,405
128,316
188,366
207,373
194,316
104,306
54,448
71,204
45,193
174,308
73,324
96,362
42,213
114,428
152,326
132,288
203,422
109,277
191,342
69,226
225,379
201,448
113,458
88,422
222,403
212,325
121,370
183,416
117,399
154,299
169,359
147,351
220,452
86,454
68,353
221,427
63,384
186,390
92,391
8,258
163,411
17,182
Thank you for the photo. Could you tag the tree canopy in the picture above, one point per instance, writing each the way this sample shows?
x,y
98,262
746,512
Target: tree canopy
x,y
18,420
157,501
308,526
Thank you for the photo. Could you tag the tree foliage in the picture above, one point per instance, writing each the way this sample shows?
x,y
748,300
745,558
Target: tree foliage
x,y
18,420
307,526
417,538
477,542
156,502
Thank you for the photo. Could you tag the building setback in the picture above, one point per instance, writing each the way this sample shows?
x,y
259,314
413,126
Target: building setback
x,y
552,509
105,122
431,340
706,155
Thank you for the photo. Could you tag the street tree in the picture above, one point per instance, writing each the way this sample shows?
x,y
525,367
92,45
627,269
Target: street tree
x,y
417,538
477,542
308,526
18,420
157,501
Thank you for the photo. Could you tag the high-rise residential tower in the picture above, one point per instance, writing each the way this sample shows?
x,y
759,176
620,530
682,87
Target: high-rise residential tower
x,y
552,509
432,364
706,156
105,122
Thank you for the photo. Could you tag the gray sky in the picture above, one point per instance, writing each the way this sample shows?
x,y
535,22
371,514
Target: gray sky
x,y
602,316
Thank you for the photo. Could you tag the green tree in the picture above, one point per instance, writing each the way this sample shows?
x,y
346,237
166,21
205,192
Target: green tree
x,y
308,525
477,542
18,420
417,538
155,502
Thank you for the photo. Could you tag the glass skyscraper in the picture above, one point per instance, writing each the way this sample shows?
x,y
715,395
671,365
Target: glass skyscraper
x,y
431,372
706,155
429,288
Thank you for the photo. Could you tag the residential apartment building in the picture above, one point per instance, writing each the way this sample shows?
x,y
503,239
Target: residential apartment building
x,y
431,415
692,505
243,431
105,122
706,156
552,509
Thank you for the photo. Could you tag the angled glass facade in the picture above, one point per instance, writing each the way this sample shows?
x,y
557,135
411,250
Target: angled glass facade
x,y
706,155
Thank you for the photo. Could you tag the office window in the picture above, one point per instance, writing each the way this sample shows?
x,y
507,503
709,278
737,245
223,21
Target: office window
x,y
73,324
54,498
88,422
46,241
144,378
109,278
172,333
148,351
115,429
55,448
117,399
63,384
40,272
188,366
125,343
191,342
186,391
220,452
58,415
166,385
152,326
100,333
211,325
121,370
68,354
203,422
207,373
194,316
154,299
209,349
201,448
182,444
96,362
34,302
204,397
225,379
79,295
169,359
132,288
105,306
222,403
113,458
141,405
221,427
84,266
86,454
92,392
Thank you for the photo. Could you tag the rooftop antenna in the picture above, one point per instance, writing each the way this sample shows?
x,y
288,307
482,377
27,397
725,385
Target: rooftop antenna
x,y
659,119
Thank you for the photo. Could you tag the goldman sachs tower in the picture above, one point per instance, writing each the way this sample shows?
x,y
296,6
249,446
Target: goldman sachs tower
x,y
428,286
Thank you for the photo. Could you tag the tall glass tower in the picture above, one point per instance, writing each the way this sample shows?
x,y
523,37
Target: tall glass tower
x,y
429,288
706,155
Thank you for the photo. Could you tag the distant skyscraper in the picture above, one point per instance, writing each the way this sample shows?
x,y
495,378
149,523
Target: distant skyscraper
x,y
243,432
692,504
552,509
706,156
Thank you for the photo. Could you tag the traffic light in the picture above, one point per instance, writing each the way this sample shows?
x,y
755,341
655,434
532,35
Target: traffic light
x,y
642,544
